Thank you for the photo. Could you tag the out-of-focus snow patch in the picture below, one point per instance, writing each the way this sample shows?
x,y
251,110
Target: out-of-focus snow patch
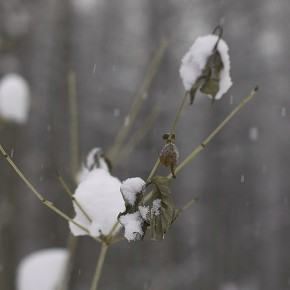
x,y
86,6
17,23
229,286
14,98
194,62
42,270
283,111
253,133
100,197
130,187
270,43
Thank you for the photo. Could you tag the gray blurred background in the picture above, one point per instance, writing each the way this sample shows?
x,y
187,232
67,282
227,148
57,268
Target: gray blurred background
x,y
237,236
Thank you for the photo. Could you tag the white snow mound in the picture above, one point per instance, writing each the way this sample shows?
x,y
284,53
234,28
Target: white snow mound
x,y
43,270
132,222
130,187
194,61
14,98
100,197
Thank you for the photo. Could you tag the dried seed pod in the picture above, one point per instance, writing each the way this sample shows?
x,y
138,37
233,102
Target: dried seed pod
x,y
169,137
169,157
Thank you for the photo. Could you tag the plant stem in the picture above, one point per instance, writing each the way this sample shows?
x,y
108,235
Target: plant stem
x,y
112,232
73,113
188,205
178,114
101,259
74,200
219,127
41,198
138,136
118,240
153,170
173,127
207,140
71,247
137,103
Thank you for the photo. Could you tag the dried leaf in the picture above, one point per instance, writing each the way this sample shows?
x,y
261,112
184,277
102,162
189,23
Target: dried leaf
x,y
208,82
214,66
169,157
160,223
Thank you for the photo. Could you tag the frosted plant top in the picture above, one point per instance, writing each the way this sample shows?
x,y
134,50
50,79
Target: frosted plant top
x,y
194,63
131,187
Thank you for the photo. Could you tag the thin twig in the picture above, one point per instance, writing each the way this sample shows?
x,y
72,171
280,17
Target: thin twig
x,y
188,205
135,107
219,127
209,138
138,101
41,198
118,240
153,170
100,263
138,136
113,230
71,248
173,127
69,193
73,113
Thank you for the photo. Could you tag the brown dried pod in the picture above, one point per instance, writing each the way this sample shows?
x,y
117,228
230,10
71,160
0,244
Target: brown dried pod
x,y
169,157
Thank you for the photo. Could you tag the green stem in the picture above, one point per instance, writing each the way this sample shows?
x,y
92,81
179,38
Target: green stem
x,y
219,127
74,200
138,101
112,232
41,198
207,140
188,205
118,240
73,113
153,170
173,127
71,247
138,136
100,263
